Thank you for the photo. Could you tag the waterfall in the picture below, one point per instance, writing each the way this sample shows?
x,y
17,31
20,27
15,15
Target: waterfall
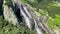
x,y
27,11
27,20
37,28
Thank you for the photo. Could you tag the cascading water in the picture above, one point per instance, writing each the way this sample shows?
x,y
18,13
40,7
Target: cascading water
x,y
27,20
27,11
37,28
28,16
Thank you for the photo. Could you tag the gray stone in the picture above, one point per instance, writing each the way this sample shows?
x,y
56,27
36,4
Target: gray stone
x,y
9,15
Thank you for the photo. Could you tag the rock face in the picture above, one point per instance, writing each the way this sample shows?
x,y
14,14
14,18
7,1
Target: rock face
x,y
9,15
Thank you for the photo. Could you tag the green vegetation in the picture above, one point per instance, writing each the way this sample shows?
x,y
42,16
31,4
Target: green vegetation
x,y
54,22
8,28
50,6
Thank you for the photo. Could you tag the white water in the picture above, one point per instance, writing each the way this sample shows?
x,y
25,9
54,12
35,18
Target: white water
x,y
37,28
27,11
27,20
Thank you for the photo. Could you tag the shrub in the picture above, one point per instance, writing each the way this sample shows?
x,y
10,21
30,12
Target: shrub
x,y
8,28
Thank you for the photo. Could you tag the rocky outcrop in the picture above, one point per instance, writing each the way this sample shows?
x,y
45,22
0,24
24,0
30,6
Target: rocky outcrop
x,y
9,15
